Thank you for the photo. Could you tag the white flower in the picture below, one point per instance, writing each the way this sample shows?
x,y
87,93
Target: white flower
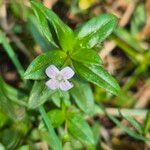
x,y
59,79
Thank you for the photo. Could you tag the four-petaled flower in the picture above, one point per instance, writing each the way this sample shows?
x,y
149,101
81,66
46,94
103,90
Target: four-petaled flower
x,y
59,79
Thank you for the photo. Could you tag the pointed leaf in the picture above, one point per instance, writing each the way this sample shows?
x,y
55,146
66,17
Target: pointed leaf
x,y
133,122
82,94
36,33
64,34
96,30
43,24
79,129
87,56
98,76
128,130
40,93
36,69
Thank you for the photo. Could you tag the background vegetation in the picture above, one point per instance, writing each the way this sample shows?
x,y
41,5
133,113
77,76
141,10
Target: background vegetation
x,y
125,55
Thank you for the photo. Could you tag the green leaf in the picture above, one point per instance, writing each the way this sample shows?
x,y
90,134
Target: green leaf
x,y
128,130
14,94
126,36
61,96
43,24
9,100
24,147
82,94
40,93
65,97
98,76
64,34
36,69
10,138
79,129
13,110
37,35
48,138
87,56
133,122
96,30
96,129
3,119
147,123
138,19
56,99
56,117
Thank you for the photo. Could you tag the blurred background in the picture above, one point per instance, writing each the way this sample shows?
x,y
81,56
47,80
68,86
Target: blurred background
x,y
125,54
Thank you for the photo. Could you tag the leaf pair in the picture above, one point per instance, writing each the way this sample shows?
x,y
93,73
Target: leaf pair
x,y
88,35
78,47
64,34
77,127
90,71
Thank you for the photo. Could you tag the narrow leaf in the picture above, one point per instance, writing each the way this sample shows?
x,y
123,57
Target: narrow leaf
x,y
98,76
37,34
83,96
128,130
36,69
133,122
40,93
64,34
44,25
147,123
79,129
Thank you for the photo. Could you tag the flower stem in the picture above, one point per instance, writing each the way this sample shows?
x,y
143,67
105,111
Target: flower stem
x,y
54,138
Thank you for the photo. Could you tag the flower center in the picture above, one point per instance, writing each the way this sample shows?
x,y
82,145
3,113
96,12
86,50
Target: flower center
x,y
59,77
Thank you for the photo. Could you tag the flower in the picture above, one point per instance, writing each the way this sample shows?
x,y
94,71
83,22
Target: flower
x,y
59,79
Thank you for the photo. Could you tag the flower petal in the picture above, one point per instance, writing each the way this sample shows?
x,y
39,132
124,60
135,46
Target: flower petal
x,y
67,73
52,71
65,85
52,84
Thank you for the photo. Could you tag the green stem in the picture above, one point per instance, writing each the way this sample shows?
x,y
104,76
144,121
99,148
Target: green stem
x,y
11,54
138,71
124,111
130,52
51,131
127,112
